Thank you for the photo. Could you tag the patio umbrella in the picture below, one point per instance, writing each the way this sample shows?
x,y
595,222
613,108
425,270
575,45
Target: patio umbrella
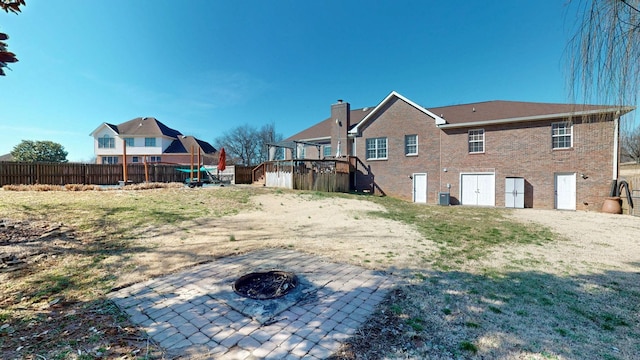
x,y
222,160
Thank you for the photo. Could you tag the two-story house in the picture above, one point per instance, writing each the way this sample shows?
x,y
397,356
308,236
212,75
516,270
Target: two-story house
x,y
494,153
147,139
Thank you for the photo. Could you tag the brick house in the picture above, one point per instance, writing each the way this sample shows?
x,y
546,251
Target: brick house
x,y
148,139
494,153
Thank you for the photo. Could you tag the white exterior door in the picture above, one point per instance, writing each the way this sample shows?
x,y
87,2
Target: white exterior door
x,y
514,192
478,189
566,191
420,188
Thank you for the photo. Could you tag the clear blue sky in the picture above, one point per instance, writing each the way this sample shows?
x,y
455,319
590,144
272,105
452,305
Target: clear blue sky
x,y
205,67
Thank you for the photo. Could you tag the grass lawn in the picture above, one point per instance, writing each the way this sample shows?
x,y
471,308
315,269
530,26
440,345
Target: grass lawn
x,y
482,293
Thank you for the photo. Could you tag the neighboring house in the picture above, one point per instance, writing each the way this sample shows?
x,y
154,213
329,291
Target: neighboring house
x,y
147,139
6,157
494,153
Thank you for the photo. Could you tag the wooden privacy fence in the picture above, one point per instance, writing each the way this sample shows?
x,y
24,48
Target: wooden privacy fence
x,y
317,175
243,174
325,175
16,173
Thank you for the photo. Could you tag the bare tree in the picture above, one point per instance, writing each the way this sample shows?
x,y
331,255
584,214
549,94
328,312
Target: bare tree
x,y
267,135
240,144
247,145
605,51
630,143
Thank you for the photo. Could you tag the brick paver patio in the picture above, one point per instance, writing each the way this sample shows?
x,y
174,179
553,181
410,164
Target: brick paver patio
x,y
196,312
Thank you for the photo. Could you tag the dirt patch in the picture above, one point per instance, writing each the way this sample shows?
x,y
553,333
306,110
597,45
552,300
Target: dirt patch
x,y
70,329
338,228
593,241
595,261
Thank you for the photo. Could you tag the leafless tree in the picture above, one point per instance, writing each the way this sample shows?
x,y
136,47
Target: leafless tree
x,y
630,142
267,135
605,51
247,145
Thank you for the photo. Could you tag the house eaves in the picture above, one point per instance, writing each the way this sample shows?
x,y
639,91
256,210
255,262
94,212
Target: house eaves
x,y
104,124
318,139
621,110
356,129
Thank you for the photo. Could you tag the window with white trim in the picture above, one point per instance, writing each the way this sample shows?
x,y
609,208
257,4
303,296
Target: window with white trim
x,y
155,159
109,160
326,150
377,148
129,141
561,135
135,159
149,142
411,145
106,142
476,141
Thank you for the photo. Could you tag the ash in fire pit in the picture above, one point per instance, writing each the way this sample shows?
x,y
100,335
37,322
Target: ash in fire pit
x,y
265,285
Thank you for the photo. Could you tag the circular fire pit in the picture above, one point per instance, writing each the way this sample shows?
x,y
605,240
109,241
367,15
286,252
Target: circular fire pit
x,y
265,285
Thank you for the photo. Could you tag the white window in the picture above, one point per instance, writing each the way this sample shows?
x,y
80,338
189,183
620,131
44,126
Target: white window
x,y
326,150
561,135
129,141
109,160
476,141
106,142
411,145
135,159
155,159
377,148
149,142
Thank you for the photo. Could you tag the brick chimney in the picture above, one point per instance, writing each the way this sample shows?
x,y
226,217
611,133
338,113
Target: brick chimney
x,y
340,114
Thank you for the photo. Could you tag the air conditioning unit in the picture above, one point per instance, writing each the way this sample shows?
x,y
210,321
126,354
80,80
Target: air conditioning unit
x,y
443,198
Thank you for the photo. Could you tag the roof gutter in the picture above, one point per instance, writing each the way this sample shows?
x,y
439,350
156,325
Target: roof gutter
x,y
621,111
311,140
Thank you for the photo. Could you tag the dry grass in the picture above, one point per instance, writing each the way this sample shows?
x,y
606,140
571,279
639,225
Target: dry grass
x,y
478,284
85,187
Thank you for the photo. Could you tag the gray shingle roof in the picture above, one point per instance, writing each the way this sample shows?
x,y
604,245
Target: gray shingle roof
x,y
183,145
323,128
467,114
145,126
500,109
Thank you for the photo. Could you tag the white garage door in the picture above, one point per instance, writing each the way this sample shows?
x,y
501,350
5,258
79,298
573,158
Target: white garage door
x,y
478,189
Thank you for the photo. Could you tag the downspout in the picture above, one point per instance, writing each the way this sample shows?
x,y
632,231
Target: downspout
x,y
616,134
354,151
440,165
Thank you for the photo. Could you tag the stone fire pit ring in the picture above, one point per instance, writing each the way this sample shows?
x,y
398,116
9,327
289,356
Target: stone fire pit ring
x,y
265,285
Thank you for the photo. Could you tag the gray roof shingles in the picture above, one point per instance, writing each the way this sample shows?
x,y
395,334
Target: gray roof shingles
x,y
323,128
146,126
465,113
152,127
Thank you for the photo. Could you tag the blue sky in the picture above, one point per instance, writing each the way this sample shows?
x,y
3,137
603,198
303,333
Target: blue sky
x,y
205,67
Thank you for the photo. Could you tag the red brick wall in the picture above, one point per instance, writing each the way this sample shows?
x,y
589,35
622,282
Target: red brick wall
x,y
392,175
521,150
525,151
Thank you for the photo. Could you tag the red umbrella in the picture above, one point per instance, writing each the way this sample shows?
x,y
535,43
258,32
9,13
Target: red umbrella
x,y
222,160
